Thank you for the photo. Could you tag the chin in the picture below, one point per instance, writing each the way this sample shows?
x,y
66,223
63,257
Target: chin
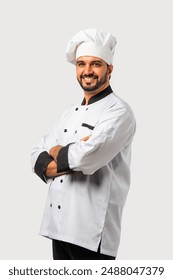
x,y
89,89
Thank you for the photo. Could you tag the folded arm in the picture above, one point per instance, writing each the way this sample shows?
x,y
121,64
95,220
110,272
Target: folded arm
x,y
54,169
113,132
46,166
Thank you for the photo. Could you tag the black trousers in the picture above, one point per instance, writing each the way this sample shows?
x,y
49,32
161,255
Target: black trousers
x,y
67,251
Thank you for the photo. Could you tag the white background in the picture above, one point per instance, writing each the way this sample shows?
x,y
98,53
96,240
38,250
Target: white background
x,y
37,84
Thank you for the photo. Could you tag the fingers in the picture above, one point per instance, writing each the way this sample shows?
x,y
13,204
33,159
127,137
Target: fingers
x,y
54,151
86,138
51,169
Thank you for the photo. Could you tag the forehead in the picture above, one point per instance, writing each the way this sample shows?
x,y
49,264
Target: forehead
x,y
89,59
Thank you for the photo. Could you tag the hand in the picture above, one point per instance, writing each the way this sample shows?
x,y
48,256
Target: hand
x,y
54,151
86,138
51,169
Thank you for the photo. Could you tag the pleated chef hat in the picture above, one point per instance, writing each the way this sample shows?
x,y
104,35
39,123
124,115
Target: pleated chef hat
x,y
91,42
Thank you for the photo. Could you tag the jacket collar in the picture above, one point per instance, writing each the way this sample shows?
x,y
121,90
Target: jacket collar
x,y
99,96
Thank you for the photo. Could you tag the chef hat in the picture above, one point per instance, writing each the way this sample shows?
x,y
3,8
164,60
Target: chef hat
x,y
91,42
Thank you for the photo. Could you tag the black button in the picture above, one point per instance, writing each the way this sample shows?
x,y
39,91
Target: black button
x,y
86,109
59,207
51,205
75,131
76,109
65,130
61,181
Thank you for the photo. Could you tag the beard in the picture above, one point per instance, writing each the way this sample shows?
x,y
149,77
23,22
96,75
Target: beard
x,y
88,87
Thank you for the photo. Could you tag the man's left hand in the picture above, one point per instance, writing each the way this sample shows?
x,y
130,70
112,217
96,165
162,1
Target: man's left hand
x,y
54,151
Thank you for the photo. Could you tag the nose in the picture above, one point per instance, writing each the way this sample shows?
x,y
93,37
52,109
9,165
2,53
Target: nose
x,y
88,70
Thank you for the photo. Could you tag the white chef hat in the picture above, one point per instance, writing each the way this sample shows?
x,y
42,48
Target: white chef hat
x,y
91,42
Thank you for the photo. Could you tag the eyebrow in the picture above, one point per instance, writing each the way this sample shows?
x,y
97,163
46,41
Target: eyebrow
x,y
93,61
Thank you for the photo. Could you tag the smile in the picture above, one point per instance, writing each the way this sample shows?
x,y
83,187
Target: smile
x,y
88,79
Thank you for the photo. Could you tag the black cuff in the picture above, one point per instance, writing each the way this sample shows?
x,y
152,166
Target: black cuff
x,y
62,159
41,164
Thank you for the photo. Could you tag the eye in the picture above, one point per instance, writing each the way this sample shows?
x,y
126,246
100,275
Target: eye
x,y
96,64
80,64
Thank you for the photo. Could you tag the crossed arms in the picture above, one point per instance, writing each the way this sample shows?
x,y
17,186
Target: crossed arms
x,y
113,133
52,168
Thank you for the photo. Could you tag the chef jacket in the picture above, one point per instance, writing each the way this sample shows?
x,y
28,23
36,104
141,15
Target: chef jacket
x,y
84,206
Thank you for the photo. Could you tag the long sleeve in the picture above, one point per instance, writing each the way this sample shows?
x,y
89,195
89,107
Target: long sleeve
x,y
112,134
40,157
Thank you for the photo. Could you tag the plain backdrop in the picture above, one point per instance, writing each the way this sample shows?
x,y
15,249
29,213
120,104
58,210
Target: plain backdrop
x,y
37,84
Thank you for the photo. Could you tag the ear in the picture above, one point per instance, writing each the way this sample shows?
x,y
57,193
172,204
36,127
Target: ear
x,y
110,69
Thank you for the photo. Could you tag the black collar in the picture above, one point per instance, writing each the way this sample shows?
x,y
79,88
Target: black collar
x,y
98,96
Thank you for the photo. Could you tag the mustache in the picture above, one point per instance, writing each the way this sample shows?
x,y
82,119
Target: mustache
x,y
89,76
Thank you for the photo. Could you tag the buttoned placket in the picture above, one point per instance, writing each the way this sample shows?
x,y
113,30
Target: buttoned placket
x,y
82,111
61,181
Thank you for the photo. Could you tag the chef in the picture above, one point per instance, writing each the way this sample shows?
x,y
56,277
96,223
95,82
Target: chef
x,y
86,158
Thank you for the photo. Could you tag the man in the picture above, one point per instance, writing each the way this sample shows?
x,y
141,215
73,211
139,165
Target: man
x,y
86,158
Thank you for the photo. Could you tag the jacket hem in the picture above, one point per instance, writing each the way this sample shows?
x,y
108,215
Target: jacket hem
x,y
81,243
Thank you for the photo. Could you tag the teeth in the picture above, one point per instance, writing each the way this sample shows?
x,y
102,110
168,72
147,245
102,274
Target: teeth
x,y
88,79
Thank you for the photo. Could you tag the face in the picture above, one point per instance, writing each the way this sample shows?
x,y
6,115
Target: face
x,y
93,73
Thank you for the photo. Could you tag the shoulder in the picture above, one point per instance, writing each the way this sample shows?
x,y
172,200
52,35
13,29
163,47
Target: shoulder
x,y
117,104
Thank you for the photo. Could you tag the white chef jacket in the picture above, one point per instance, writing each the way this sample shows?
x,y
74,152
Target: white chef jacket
x,y
85,205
